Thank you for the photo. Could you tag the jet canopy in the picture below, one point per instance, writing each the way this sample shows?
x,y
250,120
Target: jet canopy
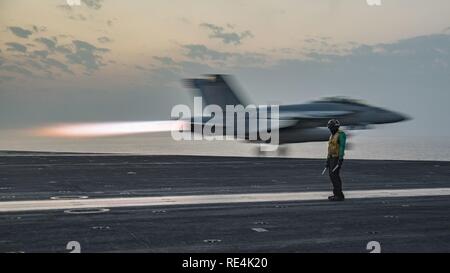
x,y
342,100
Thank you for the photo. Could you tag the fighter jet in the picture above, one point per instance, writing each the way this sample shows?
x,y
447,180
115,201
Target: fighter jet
x,y
297,122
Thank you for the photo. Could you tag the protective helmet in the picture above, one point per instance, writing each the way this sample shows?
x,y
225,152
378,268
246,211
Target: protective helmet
x,y
333,123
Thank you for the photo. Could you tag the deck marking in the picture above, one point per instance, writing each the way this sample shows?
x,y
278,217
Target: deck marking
x,y
259,229
164,201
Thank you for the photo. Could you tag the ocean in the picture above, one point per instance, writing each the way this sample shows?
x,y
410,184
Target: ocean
x,y
360,146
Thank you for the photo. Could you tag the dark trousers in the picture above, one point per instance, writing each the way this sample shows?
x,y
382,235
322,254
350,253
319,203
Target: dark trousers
x,y
335,177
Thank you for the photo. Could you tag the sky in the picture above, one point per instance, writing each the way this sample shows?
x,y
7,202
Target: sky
x,y
112,60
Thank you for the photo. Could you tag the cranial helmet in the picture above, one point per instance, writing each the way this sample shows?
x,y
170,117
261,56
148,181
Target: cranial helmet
x,y
333,123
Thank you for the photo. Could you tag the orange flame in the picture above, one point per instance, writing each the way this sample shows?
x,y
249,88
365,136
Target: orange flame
x,y
111,128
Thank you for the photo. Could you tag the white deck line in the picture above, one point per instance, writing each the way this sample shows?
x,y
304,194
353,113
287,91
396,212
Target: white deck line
x,y
39,205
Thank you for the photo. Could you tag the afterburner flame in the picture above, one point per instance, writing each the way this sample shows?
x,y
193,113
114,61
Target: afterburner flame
x,y
111,128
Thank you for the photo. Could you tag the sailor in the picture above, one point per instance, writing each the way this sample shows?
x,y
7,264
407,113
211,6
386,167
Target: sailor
x,y
335,158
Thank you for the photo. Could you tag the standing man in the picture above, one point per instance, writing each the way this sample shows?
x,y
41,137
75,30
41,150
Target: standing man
x,y
335,158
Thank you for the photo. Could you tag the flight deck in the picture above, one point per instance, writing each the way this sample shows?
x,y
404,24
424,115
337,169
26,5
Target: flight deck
x,y
128,203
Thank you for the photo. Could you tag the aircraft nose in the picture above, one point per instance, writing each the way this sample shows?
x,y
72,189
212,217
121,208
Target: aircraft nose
x,y
397,117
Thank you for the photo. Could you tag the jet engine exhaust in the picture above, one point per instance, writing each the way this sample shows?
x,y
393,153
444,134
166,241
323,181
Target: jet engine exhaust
x,y
111,128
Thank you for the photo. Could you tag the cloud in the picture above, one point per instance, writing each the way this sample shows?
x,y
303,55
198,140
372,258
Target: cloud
x,y
44,56
86,55
200,60
164,60
325,44
201,52
82,12
423,52
16,69
52,46
249,59
50,43
50,62
63,49
20,32
12,46
218,32
93,4
35,64
40,53
104,40
85,46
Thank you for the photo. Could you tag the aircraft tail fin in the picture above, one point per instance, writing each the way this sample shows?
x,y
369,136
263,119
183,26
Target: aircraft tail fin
x,y
216,89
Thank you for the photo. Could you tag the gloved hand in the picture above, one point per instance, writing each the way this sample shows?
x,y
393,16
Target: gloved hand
x,y
327,163
341,160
